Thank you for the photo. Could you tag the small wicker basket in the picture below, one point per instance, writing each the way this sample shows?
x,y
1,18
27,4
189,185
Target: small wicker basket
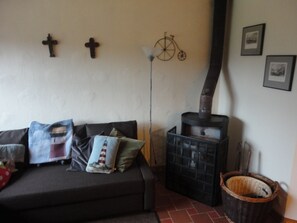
x,y
247,199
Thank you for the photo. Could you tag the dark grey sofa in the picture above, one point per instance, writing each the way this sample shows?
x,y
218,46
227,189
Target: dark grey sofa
x,y
49,193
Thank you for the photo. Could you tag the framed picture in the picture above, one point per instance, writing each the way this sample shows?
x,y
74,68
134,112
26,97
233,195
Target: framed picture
x,y
279,71
252,40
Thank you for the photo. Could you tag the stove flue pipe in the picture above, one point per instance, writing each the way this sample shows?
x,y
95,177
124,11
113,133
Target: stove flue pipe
x,y
218,33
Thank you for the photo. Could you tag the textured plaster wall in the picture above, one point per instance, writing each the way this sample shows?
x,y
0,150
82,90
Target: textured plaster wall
x,y
115,85
264,117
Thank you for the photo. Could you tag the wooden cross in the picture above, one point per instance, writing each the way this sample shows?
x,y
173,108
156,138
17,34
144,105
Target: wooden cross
x,y
92,45
50,42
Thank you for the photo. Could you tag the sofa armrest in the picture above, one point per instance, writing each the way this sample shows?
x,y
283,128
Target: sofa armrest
x,y
149,183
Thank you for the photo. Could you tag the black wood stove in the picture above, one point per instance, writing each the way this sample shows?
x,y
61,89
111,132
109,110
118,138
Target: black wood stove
x,y
196,156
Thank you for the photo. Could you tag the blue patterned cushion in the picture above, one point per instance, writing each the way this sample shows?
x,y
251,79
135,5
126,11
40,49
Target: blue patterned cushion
x,y
50,142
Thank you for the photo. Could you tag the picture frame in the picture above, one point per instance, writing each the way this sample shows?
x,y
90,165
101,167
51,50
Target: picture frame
x,y
279,71
252,40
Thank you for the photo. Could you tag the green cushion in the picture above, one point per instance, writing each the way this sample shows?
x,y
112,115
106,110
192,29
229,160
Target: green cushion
x,y
128,150
116,133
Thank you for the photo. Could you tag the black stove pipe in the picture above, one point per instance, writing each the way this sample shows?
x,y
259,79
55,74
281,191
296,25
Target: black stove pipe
x,y
218,33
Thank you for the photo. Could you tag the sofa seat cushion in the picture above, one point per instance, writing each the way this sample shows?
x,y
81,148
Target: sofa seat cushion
x,y
52,185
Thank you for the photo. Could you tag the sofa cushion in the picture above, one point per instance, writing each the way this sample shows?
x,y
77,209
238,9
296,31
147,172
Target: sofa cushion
x,y
80,131
5,174
127,153
18,136
128,128
128,150
81,150
50,142
14,153
103,156
50,185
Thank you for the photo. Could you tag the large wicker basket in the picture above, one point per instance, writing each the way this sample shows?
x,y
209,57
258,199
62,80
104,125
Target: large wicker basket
x,y
247,199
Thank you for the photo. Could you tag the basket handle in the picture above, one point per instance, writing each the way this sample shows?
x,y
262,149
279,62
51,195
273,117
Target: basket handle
x,y
249,151
238,158
244,151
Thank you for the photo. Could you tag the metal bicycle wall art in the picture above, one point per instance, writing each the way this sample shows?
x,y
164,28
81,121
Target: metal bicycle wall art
x,y
168,46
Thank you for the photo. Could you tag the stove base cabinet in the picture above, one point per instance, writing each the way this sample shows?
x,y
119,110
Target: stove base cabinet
x,y
193,166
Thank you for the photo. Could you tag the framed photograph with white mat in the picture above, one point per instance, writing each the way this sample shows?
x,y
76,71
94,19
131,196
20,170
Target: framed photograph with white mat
x,y
252,40
279,71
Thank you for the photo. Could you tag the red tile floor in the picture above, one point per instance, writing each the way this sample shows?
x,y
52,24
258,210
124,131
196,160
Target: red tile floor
x,y
172,207
175,208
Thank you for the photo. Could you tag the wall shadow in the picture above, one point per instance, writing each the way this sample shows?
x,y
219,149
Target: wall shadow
x,y
235,136
236,125
158,152
235,128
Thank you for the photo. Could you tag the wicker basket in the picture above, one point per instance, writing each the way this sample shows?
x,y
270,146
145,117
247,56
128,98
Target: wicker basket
x,y
247,199
248,187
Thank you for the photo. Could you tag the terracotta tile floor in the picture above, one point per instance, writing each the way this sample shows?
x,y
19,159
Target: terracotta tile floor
x,y
175,208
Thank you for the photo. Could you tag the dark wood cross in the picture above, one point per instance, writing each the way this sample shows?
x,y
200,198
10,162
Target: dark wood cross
x,y
50,42
92,45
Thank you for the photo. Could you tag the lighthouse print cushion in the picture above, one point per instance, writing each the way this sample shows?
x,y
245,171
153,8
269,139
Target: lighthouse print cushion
x,y
103,156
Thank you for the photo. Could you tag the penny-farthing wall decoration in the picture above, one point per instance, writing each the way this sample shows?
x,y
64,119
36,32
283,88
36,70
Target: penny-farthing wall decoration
x,y
168,46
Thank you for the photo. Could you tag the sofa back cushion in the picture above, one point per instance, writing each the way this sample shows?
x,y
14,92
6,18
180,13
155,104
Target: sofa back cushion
x,y
17,136
128,128
80,131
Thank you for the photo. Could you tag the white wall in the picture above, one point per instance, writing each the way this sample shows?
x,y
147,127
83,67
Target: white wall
x,y
292,198
115,85
264,117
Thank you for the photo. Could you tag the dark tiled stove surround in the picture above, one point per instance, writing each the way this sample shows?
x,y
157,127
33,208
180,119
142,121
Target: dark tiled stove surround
x,y
196,157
